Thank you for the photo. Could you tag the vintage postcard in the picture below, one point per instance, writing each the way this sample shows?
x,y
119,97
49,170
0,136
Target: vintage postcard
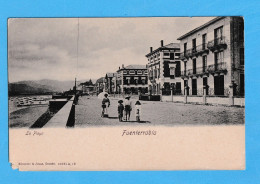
x,y
150,93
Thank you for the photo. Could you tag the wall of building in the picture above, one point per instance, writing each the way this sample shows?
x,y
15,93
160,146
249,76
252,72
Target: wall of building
x,y
209,100
156,62
229,56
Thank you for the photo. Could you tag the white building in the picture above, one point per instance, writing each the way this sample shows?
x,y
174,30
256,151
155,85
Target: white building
x,y
213,58
164,69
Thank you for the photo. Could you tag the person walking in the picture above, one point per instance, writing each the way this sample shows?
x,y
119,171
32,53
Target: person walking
x,y
105,105
120,110
128,108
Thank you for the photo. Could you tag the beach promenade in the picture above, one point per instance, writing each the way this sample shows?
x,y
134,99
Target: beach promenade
x,y
88,113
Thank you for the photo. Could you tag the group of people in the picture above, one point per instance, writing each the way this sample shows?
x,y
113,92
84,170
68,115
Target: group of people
x,y
124,108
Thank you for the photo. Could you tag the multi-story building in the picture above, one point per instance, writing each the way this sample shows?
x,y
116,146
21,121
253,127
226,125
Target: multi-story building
x,y
132,79
99,85
110,82
87,87
164,69
213,58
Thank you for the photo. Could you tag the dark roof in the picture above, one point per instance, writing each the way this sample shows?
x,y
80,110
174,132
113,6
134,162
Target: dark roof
x,y
172,45
169,46
134,67
200,27
87,83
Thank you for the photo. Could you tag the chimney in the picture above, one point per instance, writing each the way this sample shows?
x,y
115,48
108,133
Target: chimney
x,y
151,49
161,43
123,66
119,67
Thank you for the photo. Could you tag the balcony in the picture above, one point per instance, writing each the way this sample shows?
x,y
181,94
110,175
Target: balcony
x,y
200,49
191,52
217,44
183,56
217,68
200,71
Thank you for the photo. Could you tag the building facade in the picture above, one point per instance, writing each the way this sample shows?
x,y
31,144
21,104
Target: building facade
x,y
164,69
110,83
99,85
87,87
213,58
132,79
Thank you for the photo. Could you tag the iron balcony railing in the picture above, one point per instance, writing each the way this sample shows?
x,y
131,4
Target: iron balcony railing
x,y
217,43
201,48
218,67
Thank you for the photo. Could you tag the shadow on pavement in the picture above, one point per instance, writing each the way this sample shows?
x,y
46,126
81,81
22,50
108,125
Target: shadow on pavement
x,y
138,121
112,117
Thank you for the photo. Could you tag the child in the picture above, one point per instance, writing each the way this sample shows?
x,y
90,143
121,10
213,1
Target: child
x,y
120,110
137,110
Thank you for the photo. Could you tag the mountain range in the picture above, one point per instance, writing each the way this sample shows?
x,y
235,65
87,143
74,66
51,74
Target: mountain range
x,y
44,86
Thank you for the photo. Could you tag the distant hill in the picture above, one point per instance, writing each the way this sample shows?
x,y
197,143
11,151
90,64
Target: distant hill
x,y
39,87
44,86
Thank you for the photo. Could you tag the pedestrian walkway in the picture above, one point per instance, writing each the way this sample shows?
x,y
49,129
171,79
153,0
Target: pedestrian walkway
x,y
88,113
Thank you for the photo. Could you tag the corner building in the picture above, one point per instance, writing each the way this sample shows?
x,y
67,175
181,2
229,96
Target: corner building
x,y
213,58
132,79
164,69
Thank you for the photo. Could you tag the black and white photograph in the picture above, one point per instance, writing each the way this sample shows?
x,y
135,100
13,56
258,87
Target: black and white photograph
x,y
85,72
136,93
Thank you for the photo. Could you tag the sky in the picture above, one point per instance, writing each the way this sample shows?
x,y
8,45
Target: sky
x,y
46,48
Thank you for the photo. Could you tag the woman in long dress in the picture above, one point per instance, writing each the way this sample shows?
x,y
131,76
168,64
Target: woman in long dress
x,y
105,105
128,108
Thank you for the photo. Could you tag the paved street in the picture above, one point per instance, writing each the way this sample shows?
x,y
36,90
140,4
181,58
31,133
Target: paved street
x,y
88,113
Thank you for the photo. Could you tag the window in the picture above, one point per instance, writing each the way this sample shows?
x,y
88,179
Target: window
x,y
166,54
144,80
178,69
218,33
205,83
194,86
172,56
204,63
124,72
139,72
131,72
155,73
166,69
194,44
194,66
185,47
219,85
204,41
178,88
219,57
172,72
242,56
